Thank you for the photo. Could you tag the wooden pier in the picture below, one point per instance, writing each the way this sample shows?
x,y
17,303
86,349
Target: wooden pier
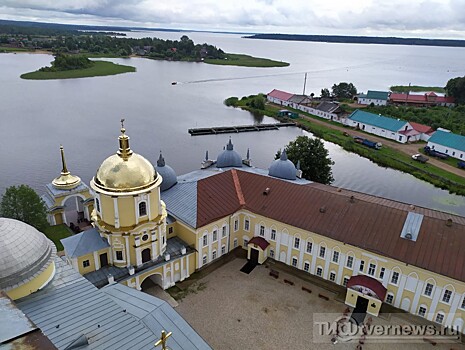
x,y
236,129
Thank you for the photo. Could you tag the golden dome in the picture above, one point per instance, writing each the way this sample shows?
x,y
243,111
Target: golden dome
x,y
125,171
65,181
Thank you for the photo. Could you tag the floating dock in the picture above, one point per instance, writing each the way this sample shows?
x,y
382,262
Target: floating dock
x,y
236,129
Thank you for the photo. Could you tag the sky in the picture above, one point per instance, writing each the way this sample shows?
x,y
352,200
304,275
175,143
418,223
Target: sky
x,y
405,18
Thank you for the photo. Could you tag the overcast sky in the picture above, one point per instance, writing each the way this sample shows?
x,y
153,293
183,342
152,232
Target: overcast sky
x,y
420,18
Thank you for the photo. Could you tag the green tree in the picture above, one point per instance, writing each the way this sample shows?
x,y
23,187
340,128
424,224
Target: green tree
x,y
313,156
325,93
456,88
258,102
24,204
344,90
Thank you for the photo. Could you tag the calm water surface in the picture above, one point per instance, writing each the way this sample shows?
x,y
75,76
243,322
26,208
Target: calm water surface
x,y
83,114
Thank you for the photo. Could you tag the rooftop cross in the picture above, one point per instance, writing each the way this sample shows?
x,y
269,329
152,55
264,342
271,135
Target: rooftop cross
x,y
163,339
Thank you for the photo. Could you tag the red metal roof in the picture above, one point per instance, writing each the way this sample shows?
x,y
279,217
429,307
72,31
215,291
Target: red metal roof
x,y
424,129
260,241
412,98
370,283
282,95
368,222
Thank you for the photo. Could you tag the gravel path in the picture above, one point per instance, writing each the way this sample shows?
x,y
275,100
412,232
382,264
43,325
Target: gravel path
x,y
233,310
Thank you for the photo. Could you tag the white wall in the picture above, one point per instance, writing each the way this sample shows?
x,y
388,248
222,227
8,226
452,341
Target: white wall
x,y
367,101
455,153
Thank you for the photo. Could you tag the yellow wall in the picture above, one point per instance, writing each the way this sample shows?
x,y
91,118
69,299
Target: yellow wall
x,y
33,285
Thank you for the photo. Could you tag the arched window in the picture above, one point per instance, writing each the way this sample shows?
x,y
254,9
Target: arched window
x,y
142,209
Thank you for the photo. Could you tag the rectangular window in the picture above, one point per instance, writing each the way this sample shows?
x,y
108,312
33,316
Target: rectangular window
x,y
463,304
428,289
236,225
332,276
439,318
346,280
224,231
215,235
306,267
294,262
86,263
271,253
214,255
204,260
205,240
395,278
246,224
322,252
389,298
170,230
362,265
223,250
335,257
119,255
350,262
235,243
422,311
262,231
446,296
319,271
296,242
246,241
371,269
381,273
273,235
309,247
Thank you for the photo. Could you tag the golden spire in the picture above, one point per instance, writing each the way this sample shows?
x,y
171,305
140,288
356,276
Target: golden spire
x,y
65,181
163,339
124,150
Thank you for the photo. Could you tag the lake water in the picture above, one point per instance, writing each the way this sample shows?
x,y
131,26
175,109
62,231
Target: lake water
x,y
83,114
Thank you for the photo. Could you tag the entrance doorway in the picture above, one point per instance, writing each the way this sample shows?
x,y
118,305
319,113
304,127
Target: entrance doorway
x,y
103,260
146,255
254,256
360,311
252,262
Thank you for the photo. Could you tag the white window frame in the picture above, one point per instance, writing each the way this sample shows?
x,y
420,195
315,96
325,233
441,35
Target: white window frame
x,y
261,231
397,274
335,257
332,273
309,244
319,268
246,224
350,261
430,291
382,272
204,240
236,225
271,253
439,315
447,293
345,280
295,261
296,242
224,232
371,269
390,295
215,235
322,252
214,254
306,266
204,260
273,234
223,249
235,243
422,314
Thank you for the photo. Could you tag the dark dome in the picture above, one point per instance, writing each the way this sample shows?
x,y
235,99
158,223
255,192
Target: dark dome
x,y
283,168
167,173
229,157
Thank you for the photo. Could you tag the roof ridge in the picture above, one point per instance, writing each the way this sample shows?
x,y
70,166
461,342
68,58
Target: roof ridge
x,y
237,186
78,242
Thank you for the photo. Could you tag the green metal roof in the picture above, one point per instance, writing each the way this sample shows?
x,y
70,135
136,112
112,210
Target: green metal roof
x,y
449,139
377,120
377,95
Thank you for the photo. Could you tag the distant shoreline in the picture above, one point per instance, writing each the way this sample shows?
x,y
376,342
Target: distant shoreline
x,y
346,39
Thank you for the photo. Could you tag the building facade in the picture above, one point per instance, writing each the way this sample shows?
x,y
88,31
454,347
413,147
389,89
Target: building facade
x,y
448,143
377,98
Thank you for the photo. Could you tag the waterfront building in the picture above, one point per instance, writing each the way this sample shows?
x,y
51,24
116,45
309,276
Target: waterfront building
x,y
377,98
428,99
382,251
448,143
279,97
377,124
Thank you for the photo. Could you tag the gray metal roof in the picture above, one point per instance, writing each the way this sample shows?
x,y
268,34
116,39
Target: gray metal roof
x,y
13,322
61,192
167,173
181,202
283,168
84,243
328,107
99,278
24,253
71,307
412,226
229,157
157,315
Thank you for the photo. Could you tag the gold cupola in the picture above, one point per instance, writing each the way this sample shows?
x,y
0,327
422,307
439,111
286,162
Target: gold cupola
x,y
65,181
125,171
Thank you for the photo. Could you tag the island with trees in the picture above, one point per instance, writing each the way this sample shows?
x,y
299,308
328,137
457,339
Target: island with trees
x,y
61,39
77,66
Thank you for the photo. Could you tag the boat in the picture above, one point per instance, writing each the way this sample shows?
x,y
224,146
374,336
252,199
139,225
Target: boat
x,y
174,83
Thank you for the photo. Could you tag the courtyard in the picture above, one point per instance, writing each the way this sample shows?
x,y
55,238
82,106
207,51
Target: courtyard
x,y
234,310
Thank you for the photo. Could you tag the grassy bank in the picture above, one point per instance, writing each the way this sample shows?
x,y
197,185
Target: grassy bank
x,y
386,157
55,233
246,61
100,68
416,88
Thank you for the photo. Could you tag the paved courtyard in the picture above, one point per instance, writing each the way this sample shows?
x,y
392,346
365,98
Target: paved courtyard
x,y
233,310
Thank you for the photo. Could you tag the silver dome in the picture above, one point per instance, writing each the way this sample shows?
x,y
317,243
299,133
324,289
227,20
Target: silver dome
x,y
229,157
24,253
283,168
167,173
